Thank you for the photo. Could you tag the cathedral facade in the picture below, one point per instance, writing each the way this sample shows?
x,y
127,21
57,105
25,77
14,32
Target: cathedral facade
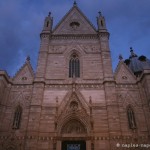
x,y
75,101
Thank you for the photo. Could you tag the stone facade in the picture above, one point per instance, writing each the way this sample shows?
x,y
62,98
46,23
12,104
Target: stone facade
x,y
90,111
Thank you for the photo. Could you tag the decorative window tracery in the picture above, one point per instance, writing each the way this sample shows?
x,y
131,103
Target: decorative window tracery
x,y
131,118
74,66
17,117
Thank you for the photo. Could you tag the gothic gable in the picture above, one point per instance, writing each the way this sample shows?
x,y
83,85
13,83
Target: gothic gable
x,y
74,22
21,97
25,75
123,74
130,98
73,104
73,107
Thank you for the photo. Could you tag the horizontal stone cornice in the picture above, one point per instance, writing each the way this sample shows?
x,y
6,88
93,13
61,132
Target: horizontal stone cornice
x,y
93,138
104,34
75,36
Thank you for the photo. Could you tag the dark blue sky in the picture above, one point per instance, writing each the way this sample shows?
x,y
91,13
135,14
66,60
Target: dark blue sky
x,y
21,22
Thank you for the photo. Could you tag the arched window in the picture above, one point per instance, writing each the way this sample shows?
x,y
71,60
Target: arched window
x,y
17,117
74,66
131,118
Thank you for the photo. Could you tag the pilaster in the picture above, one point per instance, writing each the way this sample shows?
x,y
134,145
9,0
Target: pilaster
x,y
112,109
43,53
35,114
106,56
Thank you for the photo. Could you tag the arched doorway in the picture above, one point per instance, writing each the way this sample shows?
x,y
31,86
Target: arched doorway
x,y
73,135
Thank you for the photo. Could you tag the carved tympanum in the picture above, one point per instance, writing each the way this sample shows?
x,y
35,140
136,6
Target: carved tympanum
x,y
73,126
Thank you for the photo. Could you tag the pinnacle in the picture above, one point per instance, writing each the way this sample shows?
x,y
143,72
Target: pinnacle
x,y
28,58
100,14
120,57
49,14
75,3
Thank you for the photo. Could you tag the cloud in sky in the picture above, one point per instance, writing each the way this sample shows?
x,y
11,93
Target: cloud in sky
x,y
22,21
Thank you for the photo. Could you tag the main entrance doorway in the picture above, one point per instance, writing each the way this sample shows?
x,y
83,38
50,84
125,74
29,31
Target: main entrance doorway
x,y
73,145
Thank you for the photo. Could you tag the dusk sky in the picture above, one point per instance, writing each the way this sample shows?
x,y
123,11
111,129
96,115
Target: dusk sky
x,y
21,21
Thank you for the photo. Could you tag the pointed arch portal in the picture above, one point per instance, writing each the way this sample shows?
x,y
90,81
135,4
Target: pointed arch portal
x,y
73,128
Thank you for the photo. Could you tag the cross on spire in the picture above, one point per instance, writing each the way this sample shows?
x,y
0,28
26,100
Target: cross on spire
x,y
28,58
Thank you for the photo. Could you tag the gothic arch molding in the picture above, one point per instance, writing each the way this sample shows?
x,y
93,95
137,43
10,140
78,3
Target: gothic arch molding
x,y
73,126
79,112
74,66
74,49
68,119
68,53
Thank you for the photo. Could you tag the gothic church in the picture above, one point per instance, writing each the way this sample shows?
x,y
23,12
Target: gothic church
x,y
75,101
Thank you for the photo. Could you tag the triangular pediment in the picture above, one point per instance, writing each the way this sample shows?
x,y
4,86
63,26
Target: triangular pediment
x,y
74,100
25,75
123,74
74,22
